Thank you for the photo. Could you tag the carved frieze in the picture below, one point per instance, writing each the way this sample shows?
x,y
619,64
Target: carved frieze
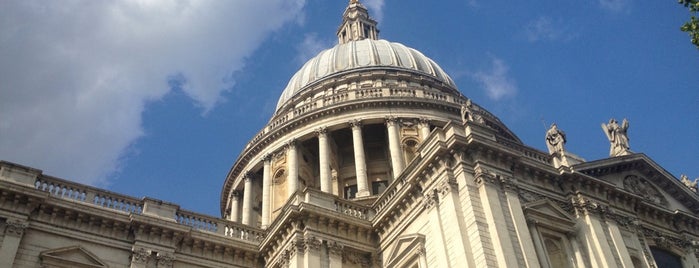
x,y
644,188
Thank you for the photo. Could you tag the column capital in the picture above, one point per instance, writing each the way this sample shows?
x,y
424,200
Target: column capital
x,y
390,120
248,176
267,158
424,121
165,259
356,123
321,131
335,248
235,195
291,143
140,256
15,227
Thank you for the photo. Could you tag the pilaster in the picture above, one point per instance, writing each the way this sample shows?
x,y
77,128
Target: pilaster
x,y
520,223
489,186
601,254
424,128
13,236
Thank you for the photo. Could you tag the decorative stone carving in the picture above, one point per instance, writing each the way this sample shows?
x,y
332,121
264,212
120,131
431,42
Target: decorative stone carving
x,y
321,131
430,199
644,188
140,256
165,259
466,113
15,227
355,123
311,243
692,185
335,248
617,136
555,139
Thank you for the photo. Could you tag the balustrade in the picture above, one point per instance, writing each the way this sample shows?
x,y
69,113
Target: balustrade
x,y
83,193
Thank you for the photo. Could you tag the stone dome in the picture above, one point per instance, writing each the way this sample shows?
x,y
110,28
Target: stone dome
x,y
354,55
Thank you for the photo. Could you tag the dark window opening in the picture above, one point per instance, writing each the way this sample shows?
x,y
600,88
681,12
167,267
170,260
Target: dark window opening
x,y
378,187
350,191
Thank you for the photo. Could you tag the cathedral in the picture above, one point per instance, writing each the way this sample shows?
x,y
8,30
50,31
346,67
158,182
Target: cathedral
x,y
374,158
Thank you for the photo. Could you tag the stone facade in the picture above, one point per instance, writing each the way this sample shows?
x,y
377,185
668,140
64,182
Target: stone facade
x,y
377,161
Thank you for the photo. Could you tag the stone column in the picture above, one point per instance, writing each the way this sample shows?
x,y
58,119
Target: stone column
x,y
235,206
247,200
394,146
10,244
293,162
424,128
266,184
324,161
359,159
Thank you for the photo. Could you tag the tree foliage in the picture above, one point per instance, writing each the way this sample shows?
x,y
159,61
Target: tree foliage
x,y
692,26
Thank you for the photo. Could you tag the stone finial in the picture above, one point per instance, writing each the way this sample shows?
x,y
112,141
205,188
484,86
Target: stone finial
x,y
618,138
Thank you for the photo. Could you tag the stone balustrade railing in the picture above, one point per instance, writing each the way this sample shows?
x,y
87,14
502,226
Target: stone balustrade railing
x,y
147,206
87,194
222,227
364,93
339,205
353,210
527,152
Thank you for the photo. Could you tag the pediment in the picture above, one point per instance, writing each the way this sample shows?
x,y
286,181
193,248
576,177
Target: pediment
x,y
639,175
405,245
545,213
73,256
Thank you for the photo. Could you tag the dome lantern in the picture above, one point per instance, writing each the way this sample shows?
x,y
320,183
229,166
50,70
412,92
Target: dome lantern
x,y
356,24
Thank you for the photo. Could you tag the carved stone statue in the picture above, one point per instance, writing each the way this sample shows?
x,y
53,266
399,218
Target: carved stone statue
x,y
692,185
555,139
619,141
466,113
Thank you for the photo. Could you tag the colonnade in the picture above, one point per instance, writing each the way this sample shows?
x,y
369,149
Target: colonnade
x,y
324,156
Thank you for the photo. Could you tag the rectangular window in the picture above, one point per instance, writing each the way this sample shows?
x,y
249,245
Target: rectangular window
x,y
350,191
378,187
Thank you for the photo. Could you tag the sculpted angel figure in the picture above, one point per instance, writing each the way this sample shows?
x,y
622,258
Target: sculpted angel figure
x,y
555,139
617,135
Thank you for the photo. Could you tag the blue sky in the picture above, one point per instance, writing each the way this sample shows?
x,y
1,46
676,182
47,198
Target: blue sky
x,y
158,98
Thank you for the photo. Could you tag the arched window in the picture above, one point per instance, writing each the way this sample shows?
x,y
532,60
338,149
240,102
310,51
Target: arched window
x,y
556,252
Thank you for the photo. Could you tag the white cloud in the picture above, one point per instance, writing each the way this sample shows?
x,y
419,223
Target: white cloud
x,y
544,29
375,8
614,5
311,46
75,75
496,82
